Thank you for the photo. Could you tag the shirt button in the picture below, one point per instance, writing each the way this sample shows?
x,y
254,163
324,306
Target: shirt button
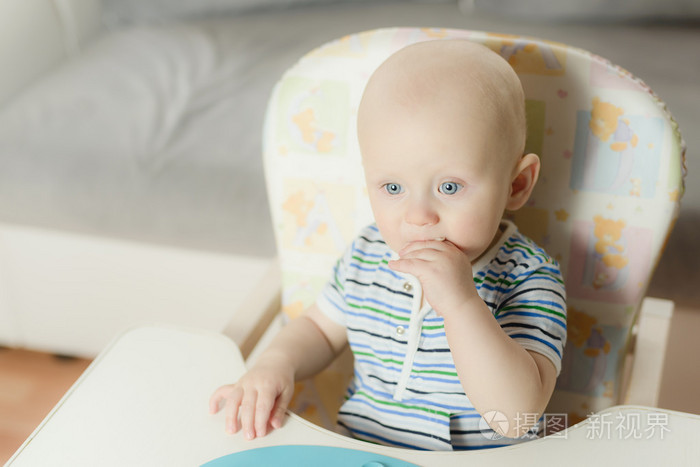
x,y
400,330
407,286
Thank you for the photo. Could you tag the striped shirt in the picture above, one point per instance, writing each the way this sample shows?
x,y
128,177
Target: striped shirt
x,y
405,391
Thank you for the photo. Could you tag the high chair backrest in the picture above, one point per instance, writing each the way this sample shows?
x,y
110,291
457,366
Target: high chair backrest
x,y
611,179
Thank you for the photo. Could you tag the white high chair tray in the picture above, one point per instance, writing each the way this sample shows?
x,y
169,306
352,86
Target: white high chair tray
x,y
144,401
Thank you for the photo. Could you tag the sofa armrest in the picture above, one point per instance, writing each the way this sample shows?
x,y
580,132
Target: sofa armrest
x,y
36,35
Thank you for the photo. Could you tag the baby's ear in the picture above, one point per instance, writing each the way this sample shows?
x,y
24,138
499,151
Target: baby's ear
x,y
523,181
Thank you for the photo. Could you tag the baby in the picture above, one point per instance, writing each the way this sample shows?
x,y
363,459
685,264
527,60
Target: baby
x,y
457,321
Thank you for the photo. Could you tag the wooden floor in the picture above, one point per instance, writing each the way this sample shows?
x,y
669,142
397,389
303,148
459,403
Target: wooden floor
x,y
31,383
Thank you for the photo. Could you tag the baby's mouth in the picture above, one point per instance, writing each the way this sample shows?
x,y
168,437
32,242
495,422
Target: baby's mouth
x,y
436,239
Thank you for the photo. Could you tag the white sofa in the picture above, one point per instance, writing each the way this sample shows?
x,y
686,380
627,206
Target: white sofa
x,y
131,185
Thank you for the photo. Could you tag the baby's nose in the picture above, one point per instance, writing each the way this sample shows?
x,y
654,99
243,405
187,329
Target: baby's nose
x,y
421,214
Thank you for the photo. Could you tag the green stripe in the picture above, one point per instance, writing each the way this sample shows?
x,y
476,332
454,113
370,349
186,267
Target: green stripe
x,y
524,247
399,363
335,276
393,316
555,277
539,273
365,261
377,310
337,282
369,354
436,372
404,406
534,307
479,280
505,283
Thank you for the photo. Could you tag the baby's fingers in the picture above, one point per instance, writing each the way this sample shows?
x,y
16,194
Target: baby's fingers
x,y
214,401
247,412
233,403
278,411
263,408
219,395
408,266
438,244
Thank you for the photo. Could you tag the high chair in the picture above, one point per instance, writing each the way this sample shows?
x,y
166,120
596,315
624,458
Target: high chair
x,y
609,190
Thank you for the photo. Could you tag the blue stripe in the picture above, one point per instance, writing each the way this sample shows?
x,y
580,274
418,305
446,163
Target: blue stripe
x,y
536,315
402,413
546,278
371,255
378,302
384,440
389,271
543,302
330,300
380,352
417,401
528,336
486,286
466,415
372,317
357,266
523,253
434,365
510,288
496,274
432,335
433,320
380,319
382,365
402,355
454,381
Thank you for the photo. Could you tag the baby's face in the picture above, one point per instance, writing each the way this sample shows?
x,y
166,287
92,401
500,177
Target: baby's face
x,y
441,126
432,176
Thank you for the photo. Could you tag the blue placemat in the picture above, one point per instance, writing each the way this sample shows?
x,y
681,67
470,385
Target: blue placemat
x,y
306,456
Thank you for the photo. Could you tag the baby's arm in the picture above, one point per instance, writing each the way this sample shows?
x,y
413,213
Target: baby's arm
x,y
302,348
496,372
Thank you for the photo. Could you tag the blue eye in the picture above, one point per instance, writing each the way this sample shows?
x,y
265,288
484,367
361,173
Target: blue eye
x,y
393,188
449,188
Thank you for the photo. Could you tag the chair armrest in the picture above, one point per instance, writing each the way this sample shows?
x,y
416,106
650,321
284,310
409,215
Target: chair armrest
x,y
649,350
276,324
257,311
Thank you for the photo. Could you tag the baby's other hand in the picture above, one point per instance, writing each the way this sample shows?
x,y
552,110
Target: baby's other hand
x,y
260,399
444,272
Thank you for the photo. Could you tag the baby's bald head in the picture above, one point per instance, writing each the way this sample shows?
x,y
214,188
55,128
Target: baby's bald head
x,y
451,79
441,128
